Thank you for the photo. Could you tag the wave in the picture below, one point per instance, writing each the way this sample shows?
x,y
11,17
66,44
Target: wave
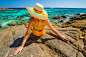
x,y
6,22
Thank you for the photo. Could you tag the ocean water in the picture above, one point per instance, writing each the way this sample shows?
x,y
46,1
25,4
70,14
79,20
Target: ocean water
x,y
21,15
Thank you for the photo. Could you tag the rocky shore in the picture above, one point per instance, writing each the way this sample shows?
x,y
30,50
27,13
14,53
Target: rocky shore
x,y
5,9
49,45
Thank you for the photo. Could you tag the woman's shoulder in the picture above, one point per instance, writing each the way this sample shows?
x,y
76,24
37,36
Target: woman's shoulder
x,y
31,20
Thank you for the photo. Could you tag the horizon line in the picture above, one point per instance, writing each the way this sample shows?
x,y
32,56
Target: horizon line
x,y
44,7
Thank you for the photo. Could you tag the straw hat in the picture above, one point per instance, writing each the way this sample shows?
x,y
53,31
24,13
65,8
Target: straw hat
x,y
38,11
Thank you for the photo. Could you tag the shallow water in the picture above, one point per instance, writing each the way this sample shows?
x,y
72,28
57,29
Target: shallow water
x,y
22,15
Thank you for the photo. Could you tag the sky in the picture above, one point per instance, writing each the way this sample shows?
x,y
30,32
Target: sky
x,y
45,3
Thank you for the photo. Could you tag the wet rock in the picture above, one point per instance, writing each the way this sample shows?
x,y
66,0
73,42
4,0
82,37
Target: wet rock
x,y
5,18
78,14
12,24
57,17
63,16
19,23
66,23
83,14
18,17
70,19
0,26
60,20
22,22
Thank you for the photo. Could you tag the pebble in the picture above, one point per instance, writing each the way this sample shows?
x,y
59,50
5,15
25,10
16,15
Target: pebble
x,y
31,55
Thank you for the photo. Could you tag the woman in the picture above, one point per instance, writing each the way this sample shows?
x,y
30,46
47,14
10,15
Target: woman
x,y
38,22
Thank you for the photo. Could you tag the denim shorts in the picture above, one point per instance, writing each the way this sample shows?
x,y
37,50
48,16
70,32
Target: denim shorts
x,y
33,37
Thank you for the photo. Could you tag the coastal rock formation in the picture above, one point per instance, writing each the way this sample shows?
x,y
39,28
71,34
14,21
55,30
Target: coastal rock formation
x,y
57,17
78,19
49,45
63,16
60,20
78,14
5,9
12,24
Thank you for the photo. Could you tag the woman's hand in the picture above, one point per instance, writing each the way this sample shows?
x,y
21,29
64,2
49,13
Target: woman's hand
x,y
18,50
64,38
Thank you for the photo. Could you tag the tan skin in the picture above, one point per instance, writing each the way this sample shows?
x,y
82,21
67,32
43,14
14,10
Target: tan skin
x,y
35,23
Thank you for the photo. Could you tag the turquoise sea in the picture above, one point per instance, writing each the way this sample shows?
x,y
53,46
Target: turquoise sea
x,y
21,15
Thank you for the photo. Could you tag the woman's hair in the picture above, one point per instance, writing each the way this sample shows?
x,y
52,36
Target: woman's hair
x,y
32,17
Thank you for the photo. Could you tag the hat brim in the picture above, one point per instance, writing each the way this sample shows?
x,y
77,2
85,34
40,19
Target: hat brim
x,y
36,15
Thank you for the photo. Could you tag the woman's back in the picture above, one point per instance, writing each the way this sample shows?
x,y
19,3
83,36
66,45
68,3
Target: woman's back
x,y
38,24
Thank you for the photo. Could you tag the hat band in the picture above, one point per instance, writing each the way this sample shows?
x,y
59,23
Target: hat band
x,y
38,14
37,11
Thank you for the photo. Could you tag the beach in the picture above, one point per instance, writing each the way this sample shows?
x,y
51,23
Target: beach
x,y
73,26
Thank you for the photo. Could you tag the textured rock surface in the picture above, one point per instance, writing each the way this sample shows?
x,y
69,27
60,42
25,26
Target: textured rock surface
x,y
49,45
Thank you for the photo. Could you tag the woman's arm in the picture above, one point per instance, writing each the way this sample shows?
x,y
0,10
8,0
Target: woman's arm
x,y
55,31
52,28
25,38
27,33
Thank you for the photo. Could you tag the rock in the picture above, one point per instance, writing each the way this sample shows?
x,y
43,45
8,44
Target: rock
x,y
66,23
78,18
19,31
78,14
56,26
4,9
22,22
81,45
63,16
12,24
61,48
70,19
85,37
79,54
83,17
19,23
48,45
9,26
26,25
85,42
85,47
57,17
6,38
60,20
83,14
84,53
0,26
